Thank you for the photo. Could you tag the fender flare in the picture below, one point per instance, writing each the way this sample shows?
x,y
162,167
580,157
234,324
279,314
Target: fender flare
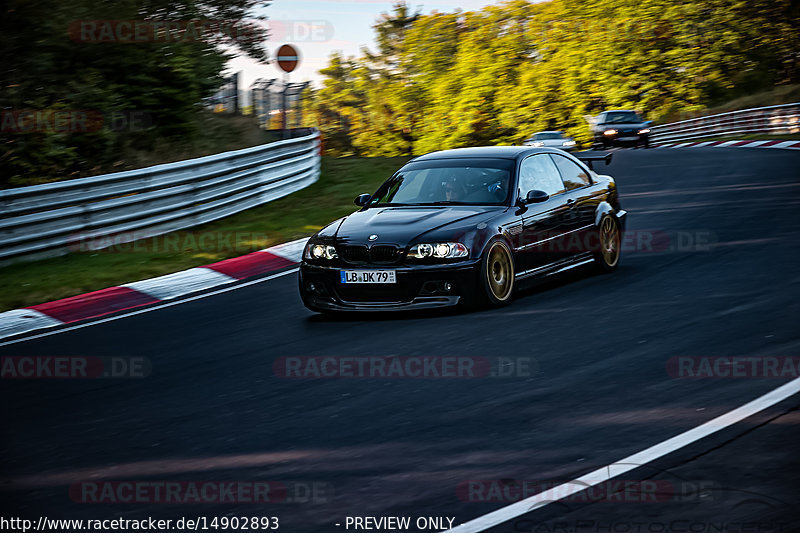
x,y
603,208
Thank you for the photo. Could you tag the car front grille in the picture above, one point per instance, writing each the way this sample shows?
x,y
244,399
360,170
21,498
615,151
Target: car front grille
x,y
355,254
384,254
381,254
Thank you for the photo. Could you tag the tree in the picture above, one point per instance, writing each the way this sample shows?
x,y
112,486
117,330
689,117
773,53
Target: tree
x,y
47,66
499,74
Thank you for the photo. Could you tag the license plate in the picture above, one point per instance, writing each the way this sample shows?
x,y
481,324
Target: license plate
x,y
368,276
628,139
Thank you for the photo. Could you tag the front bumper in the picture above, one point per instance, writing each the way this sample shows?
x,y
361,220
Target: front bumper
x,y
418,287
625,139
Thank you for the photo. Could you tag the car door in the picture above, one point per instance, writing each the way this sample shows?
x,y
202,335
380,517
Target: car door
x,y
582,200
542,223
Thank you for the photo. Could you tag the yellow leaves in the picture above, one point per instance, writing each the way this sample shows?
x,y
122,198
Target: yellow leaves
x,y
502,72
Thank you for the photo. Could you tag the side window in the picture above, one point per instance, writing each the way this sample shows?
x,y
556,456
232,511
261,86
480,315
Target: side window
x,y
574,176
540,173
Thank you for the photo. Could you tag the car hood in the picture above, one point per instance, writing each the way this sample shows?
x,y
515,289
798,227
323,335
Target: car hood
x,y
403,225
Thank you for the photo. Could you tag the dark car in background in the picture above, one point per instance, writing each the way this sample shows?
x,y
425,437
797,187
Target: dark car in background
x,y
551,139
465,226
620,127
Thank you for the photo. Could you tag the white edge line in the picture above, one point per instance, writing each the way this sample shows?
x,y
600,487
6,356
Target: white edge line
x,y
631,462
153,308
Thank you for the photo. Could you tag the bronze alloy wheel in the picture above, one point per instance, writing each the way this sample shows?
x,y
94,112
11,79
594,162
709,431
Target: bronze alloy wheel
x,y
500,272
609,242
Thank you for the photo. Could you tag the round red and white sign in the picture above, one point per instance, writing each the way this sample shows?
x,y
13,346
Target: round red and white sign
x,y
288,58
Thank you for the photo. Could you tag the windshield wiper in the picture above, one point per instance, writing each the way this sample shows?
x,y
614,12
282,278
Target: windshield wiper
x,y
446,202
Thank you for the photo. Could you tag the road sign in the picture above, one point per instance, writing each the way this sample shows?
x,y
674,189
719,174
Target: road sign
x,y
288,58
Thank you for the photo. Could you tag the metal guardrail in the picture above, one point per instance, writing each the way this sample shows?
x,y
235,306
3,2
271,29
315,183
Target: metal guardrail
x,y
777,119
47,220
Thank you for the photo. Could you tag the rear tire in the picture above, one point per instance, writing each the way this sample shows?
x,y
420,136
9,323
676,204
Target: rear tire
x,y
607,257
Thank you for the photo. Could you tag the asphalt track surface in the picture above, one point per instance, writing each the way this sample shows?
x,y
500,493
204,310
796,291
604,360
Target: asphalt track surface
x,y
721,280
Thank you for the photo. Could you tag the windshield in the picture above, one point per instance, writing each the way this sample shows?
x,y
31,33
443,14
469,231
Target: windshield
x,y
622,117
547,136
447,182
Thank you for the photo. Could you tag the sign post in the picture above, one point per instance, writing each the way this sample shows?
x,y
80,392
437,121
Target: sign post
x,y
288,59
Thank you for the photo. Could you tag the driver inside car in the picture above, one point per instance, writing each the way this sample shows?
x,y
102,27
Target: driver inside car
x,y
453,190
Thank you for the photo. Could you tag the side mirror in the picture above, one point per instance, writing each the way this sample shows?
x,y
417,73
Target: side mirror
x,y
648,122
362,199
535,197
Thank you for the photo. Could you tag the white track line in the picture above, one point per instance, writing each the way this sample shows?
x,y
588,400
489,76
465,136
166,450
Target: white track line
x,y
153,308
629,463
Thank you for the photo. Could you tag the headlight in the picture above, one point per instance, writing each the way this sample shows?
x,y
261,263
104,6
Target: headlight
x,y
320,251
568,143
642,132
610,132
439,250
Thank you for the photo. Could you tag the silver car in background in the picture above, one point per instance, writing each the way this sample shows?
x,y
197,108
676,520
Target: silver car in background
x,y
551,139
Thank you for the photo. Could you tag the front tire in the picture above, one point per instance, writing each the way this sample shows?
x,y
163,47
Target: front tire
x,y
497,274
607,257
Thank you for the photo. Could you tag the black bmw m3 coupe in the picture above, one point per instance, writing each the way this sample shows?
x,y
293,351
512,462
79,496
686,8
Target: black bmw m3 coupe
x,y
465,226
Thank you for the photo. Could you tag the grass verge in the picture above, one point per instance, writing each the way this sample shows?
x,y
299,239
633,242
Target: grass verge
x,y
297,215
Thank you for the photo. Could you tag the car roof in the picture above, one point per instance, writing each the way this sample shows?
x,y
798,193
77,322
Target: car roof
x,y
501,152
549,131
